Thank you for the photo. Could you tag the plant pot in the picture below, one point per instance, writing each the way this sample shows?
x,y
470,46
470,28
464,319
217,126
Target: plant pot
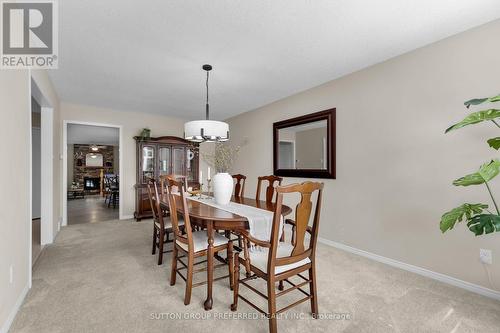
x,y
223,188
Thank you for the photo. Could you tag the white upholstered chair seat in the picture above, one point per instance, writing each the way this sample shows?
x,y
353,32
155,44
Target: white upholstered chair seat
x,y
200,240
259,257
168,224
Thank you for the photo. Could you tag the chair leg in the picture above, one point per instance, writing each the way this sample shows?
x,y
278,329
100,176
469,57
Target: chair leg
x,y
189,281
154,240
280,285
282,238
160,246
312,290
230,258
173,269
236,281
271,306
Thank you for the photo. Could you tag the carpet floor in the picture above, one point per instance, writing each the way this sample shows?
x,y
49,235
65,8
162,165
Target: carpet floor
x,y
101,277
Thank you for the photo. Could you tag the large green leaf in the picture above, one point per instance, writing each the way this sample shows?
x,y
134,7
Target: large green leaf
x,y
476,117
486,172
449,219
477,101
484,224
494,143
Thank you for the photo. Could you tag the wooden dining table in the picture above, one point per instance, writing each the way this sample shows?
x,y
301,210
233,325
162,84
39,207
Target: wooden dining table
x,y
213,218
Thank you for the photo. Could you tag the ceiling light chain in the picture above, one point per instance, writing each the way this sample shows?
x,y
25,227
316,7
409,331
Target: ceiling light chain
x,y
206,130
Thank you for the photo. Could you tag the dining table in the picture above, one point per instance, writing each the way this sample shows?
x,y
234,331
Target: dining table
x,y
215,218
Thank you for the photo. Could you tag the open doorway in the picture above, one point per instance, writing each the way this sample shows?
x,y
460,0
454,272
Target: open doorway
x,y
41,224
92,166
36,179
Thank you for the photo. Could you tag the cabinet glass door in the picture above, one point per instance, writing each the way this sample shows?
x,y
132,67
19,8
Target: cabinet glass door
x,y
191,166
164,161
148,163
178,157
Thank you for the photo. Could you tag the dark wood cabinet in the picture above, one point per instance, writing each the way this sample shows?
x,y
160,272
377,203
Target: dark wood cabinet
x,y
162,156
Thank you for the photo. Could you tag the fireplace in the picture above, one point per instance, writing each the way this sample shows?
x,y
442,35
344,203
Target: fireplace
x,y
91,184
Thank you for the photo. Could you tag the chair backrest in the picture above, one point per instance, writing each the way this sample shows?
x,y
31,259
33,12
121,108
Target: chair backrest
x,y
178,203
154,200
164,181
303,212
239,186
270,187
114,182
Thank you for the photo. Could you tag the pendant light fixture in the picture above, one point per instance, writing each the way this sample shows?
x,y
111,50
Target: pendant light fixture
x,y
206,130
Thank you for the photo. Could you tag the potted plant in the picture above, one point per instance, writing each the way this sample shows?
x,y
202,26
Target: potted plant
x,y
478,222
221,160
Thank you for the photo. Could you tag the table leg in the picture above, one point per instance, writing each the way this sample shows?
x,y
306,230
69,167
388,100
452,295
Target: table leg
x,y
210,265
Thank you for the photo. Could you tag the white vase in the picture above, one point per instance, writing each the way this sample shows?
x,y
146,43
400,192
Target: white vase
x,y
223,188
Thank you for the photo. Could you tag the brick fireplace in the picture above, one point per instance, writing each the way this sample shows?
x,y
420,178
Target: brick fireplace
x,y
90,177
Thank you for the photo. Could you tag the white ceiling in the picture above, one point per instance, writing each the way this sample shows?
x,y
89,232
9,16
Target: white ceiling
x,y
147,55
99,135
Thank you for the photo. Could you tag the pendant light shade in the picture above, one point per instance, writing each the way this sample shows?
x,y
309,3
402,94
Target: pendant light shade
x,y
206,130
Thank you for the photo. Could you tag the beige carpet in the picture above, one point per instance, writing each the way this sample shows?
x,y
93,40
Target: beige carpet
x,y
102,278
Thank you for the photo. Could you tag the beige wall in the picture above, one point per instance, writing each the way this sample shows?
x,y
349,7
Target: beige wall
x,y
14,204
132,123
15,115
394,163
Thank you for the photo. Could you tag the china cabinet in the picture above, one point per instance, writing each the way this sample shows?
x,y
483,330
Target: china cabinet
x,y
162,156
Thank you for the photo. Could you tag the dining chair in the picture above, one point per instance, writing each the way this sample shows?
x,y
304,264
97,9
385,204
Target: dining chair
x,y
107,190
239,185
278,261
164,182
192,244
162,226
113,190
239,192
270,189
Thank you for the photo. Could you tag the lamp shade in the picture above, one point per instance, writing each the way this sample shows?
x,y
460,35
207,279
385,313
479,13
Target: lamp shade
x,y
206,131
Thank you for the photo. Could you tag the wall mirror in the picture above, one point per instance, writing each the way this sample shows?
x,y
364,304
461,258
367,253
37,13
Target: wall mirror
x,y
305,146
93,160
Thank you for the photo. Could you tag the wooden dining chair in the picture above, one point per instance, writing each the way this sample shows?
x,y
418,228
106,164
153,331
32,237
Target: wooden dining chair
x,y
192,244
162,226
239,185
270,189
164,182
114,190
239,192
280,262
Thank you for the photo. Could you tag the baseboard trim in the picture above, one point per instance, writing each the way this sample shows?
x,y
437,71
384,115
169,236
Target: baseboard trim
x,y
126,217
10,319
417,270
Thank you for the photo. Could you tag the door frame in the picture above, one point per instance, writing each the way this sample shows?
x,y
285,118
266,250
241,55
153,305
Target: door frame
x,y
47,224
64,173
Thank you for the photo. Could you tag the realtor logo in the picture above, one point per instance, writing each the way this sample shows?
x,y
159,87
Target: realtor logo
x,y
29,34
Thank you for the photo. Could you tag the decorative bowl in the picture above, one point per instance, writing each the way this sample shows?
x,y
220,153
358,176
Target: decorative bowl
x,y
194,192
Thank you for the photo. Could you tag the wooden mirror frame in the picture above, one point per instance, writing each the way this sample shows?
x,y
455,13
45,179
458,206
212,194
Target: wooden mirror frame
x,y
329,172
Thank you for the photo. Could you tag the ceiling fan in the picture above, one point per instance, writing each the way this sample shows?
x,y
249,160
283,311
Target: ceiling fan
x,y
95,147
